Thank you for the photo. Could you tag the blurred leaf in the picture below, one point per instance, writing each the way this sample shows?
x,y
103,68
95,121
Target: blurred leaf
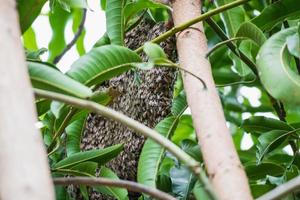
x,y
184,130
293,44
28,12
179,104
256,172
274,63
114,21
102,63
154,51
200,192
77,19
183,182
101,156
191,148
29,40
263,124
42,106
260,189
118,193
58,20
251,31
87,168
276,13
269,141
74,133
44,77
104,40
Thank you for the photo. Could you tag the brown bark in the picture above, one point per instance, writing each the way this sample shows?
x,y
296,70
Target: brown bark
x,y
222,162
24,172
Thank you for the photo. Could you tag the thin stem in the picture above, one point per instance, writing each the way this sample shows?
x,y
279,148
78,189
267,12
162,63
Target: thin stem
x,y
231,45
187,24
134,125
130,185
74,40
282,190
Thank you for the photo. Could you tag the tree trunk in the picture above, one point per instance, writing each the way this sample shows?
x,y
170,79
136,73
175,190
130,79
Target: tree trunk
x,y
221,159
24,171
148,103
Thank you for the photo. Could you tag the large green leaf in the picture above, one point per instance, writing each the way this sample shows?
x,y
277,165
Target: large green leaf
x,y
114,21
46,77
269,141
102,63
101,156
262,124
276,13
256,172
152,153
28,12
74,133
274,67
58,20
118,193
82,169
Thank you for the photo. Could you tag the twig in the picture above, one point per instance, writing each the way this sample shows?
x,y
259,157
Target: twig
x,y
189,23
130,185
74,40
192,164
282,190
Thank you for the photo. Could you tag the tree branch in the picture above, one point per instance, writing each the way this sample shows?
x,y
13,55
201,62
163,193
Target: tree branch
x,y
74,40
132,186
220,156
192,164
195,20
282,190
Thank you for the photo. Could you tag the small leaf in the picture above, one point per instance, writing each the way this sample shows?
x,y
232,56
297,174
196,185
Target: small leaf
x,y
101,156
200,192
118,193
154,51
104,40
260,189
82,169
103,63
179,104
293,44
47,78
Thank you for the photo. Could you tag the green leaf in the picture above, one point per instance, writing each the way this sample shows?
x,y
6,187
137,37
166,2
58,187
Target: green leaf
x,y
77,18
179,104
101,156
200,192
154,51
114,21
102,63
252,32
260,189
276,13
74,133
132,8
104,40
82,169
152,153
58,20
42,106
293,44
256,172
118,193
29,40
68,4
47,78
273,63
28,12
191,148
183,182
262,124
269,141
184,130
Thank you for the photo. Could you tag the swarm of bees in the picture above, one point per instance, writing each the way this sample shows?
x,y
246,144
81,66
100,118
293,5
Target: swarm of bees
x,y
143,95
